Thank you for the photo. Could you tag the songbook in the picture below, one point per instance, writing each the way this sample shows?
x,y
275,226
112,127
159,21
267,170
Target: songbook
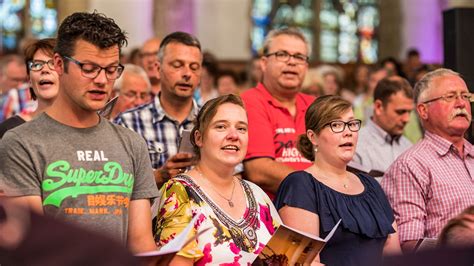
x,y
106,111
426,244
289,246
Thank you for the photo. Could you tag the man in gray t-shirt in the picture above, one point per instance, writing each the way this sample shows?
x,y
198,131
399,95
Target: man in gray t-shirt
x,y
71,163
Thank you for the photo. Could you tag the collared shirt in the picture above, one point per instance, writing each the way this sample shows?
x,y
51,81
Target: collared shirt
x,y
160,131
428,185
376,149
273,131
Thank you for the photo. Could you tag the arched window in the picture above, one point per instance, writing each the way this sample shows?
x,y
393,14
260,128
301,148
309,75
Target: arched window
x,y
345,30
26,19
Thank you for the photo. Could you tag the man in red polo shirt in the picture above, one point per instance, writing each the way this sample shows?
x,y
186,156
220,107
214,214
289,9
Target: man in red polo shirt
x,y
276,110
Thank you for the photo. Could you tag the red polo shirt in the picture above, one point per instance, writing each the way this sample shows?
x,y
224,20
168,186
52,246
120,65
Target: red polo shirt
x,y
273,131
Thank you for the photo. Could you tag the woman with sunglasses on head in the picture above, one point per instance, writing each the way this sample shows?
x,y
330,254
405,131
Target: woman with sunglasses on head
x,y
326,191
240,217
43,80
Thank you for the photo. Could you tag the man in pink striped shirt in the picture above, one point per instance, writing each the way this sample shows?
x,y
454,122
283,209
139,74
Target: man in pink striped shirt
x,y
433,181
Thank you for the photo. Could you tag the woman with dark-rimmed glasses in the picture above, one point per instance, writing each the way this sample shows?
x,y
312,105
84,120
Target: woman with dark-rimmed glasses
x,y
315,199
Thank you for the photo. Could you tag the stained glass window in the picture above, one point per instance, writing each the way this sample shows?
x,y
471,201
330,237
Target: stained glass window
x,y
271,14
26,18
348,31
11,23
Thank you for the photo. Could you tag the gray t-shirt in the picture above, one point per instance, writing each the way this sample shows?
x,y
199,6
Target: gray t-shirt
x,y
84,175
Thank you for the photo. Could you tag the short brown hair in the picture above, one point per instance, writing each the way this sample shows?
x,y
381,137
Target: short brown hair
x,y
46,45
391,85
207,113
322,111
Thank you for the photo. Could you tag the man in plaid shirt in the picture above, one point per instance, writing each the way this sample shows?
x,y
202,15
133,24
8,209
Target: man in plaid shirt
x,y
162,121
433,181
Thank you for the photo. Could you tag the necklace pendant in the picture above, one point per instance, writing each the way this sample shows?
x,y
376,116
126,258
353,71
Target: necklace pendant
x,y
231,204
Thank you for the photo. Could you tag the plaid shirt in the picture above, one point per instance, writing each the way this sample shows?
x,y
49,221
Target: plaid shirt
x,y
428,185
160,131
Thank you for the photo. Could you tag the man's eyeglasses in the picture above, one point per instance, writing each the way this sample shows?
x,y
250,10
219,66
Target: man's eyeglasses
x,y
133,95
338,126
91,70
284,56
450,97
37,65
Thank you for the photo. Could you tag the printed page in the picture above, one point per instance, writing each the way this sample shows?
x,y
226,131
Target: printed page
x,y
291,246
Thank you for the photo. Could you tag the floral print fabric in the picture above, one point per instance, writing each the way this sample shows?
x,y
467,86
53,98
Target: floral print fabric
x,y
228,241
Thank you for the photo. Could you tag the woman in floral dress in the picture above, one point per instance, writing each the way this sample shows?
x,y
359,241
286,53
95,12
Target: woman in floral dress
x,y
235,217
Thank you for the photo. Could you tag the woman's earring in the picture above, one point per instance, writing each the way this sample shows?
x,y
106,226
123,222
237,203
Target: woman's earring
x,y
315,149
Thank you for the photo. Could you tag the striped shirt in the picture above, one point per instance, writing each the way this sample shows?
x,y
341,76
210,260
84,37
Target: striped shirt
x,y
160,131
428,185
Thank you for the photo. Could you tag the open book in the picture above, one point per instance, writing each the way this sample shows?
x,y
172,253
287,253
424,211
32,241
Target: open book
x,y
167,252
291,246
426,244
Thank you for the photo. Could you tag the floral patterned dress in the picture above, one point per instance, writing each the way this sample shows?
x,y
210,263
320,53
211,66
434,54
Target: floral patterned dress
x,y
229,241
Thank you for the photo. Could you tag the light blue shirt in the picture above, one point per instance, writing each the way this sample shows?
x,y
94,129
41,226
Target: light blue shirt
x,y
376,149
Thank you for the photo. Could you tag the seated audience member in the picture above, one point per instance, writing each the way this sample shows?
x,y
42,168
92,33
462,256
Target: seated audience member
x,y
393,67
276,109
43,81
173,109
363,103
149,62
381,140
432,181
312,84
359,80
239,214
207,89
315,199
13,77
227,82
459,231
133,89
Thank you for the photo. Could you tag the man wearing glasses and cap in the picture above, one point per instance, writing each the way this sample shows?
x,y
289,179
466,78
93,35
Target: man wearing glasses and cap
x,y
71,163
276,110
433,181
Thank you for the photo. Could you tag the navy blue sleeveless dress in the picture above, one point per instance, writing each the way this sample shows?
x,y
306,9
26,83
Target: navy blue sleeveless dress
x,y
366,217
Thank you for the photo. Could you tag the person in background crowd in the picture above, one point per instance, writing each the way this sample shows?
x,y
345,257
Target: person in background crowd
x,y
149,62
381,140
13,80
432,181
162,121
43,80
240,215
133,89
12,73
227,82
315,199
412,63
363,104
207,89
134,57
276,109
360,79
70,162
393,67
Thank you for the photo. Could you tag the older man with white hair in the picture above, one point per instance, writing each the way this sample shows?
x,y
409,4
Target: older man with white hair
x,y
133,89
433,181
